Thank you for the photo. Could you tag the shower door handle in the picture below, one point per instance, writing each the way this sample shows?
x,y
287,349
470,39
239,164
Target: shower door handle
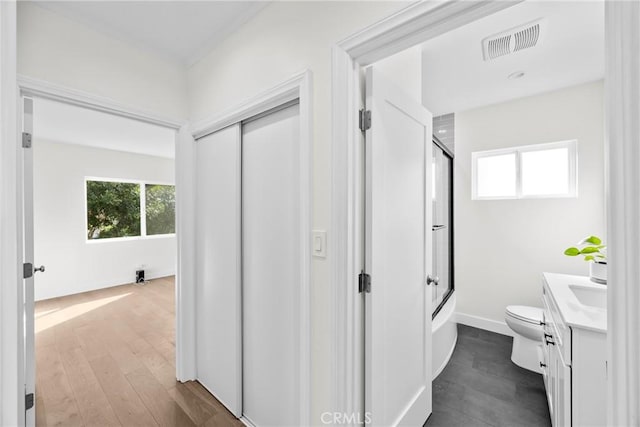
x,y
433,280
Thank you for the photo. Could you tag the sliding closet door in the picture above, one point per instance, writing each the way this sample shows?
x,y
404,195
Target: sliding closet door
x,y
218,261
271,264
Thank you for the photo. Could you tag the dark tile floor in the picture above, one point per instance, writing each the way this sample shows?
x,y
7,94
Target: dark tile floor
x,y
482,387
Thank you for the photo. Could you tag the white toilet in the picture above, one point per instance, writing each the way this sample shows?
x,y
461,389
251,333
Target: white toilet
x,y
526,322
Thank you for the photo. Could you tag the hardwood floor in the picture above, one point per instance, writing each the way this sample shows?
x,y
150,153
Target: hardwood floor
x,y
482,387
107,358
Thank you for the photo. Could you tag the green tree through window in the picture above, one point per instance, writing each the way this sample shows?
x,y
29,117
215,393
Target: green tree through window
x,y
113,209
161,209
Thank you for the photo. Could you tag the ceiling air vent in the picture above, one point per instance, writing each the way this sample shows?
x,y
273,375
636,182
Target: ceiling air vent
x,y
513,40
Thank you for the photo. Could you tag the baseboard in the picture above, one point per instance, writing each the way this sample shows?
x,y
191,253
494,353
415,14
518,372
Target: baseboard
x,y
159,274
484,323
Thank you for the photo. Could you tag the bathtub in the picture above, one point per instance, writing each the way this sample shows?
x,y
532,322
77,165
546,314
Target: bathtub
x,y
444,333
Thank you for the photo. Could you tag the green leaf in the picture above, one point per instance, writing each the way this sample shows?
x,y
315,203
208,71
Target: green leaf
x,y
589,250
572,252
592,240
589,258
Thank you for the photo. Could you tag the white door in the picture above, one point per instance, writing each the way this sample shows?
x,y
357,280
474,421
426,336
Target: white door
x,y
397,256
29,301
271,268
218,267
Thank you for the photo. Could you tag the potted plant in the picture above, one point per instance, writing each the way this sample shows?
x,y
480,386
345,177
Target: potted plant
x,y
594,252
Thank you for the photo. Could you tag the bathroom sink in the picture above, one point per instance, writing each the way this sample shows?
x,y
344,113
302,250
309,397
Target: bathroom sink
x,y
592,297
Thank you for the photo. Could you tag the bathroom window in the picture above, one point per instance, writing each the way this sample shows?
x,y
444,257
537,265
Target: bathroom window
x,y
531,171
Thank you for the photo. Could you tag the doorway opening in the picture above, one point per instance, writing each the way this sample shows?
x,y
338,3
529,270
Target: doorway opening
x,y
512,104
100,314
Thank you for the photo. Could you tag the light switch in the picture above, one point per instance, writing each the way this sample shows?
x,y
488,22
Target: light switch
x,y
320,243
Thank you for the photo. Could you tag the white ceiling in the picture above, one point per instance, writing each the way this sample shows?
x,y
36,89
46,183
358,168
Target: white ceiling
x,y
570,52
58,122
181,30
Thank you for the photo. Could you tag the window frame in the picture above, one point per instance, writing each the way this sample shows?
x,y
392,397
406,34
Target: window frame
x,y
143,210
570,145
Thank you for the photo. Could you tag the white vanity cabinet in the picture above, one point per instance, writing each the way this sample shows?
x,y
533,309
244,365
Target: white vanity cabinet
x,y
573,355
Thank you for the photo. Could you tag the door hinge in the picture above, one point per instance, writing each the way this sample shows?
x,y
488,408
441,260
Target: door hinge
x,y
26,140
28,401
364,283
365,120
27,270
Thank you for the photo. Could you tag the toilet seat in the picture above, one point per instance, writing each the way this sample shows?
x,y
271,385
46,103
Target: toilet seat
x,y
532,315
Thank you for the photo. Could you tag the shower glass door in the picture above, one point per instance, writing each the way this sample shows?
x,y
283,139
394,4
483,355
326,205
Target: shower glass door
x,y
442,228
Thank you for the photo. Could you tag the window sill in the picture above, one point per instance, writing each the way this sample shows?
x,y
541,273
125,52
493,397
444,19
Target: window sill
x,y
129,239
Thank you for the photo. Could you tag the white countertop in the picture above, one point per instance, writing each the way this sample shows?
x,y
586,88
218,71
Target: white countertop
x,y
574,313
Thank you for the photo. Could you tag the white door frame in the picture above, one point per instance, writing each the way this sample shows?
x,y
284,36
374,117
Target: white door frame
x,y
43,89
300,87
12,388
28,87
416,24
622,142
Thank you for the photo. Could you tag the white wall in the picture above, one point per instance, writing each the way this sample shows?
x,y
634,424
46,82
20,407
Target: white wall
x,y
72,264
283,39
404,69
58,50
503,246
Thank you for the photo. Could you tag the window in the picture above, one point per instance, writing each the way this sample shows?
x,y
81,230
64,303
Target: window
x,y
113,209
496,175
160,204
117,209
532,171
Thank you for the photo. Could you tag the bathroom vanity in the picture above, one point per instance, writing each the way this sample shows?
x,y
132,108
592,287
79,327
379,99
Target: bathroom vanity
x,y
573,352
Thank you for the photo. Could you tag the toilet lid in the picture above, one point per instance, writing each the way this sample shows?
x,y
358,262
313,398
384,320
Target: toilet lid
x,y
525,313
